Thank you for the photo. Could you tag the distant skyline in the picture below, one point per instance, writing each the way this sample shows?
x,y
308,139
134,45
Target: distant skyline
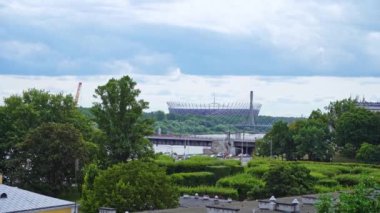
x,y
296,55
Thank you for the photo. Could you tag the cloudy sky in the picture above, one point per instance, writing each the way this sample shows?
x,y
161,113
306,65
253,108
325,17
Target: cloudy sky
x,y
295,55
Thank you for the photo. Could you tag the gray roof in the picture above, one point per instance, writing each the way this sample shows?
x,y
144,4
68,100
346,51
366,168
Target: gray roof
x,y
19,200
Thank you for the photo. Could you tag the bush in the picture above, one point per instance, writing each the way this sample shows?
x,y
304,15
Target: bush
x,y
258,171
347,179
242,182
328,182
150,186
219,171
288,179
210,191
193,178
317,175
236,169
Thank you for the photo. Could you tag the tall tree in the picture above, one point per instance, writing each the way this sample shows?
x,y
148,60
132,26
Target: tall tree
x,y
49,155
21,114
312,138
119,116
282,141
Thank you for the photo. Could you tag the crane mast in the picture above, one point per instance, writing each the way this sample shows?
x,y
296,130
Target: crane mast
x,y
78,93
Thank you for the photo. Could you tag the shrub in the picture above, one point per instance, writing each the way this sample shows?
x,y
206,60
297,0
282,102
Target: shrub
x,y
258,171
288,179
328,182
150,186
236,169
317,175
242,182
219,171
193,178
347,179
210,191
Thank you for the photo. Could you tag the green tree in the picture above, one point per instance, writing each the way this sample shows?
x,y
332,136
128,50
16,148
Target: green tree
x,y
288,179
355,126
369,153
119,116
48,157
282,141
21,114
337,108
133,186
312,138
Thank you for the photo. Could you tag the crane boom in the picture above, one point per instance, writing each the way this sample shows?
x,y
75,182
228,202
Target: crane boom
x,y
78,93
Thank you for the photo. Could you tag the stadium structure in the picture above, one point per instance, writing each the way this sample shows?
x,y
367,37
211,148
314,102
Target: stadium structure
x,y
248,110
371,106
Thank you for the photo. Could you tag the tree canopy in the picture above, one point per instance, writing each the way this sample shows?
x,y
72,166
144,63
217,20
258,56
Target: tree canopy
x,y
132,186
119,117
49,155
21,114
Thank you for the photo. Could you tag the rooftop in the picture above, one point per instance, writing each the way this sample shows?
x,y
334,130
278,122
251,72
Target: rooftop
x,y
19,200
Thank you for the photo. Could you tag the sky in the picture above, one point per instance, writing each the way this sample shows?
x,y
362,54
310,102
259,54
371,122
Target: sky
x,y
295,55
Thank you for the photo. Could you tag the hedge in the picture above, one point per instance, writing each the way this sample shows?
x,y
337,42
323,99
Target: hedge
x,y
211,191
219,171
347,179
328,182
193,178
258,171
242,182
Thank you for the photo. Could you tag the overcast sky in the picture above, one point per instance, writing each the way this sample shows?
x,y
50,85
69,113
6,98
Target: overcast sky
x,y
295,55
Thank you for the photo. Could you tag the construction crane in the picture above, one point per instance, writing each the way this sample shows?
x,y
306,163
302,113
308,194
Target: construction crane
x,y
78,93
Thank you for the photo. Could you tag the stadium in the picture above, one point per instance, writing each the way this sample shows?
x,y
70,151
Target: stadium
x,y
248,110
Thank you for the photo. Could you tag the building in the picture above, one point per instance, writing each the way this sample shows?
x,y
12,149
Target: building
x,y
371,106
13,199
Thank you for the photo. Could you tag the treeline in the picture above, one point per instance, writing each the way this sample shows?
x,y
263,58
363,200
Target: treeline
x,y
49,146
344,128
191,124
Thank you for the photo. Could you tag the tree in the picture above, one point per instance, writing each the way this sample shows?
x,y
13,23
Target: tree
x,y
369,153
21,114
119,116
356,126
288,179
281,138
132,186
337,108
48,157
312,138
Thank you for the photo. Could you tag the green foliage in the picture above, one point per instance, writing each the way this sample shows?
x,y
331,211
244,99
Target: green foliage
x,y
21,114
292,179
312,138
369,153
211,191
282,141
325,204
48,156
243,183
347,179
191,124
359,200
258,171
119,116
193,178
328,182
219,171
132,186
356,126
200,163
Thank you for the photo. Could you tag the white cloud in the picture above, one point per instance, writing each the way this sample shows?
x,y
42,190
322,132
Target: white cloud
x,y
281,96
12,49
